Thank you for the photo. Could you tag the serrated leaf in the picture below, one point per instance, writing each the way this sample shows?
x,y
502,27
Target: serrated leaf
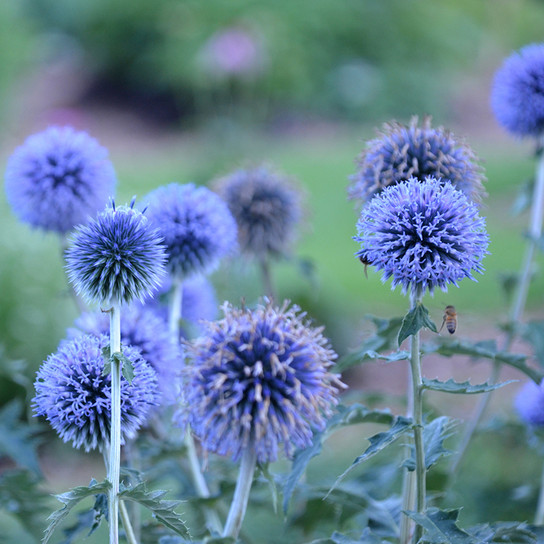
x,y
70,499
162,509
486,349
533,332
464,388
336,538
441,527
434,435
504,531
353,359
377,443
413,321
524,198
265,473
127,366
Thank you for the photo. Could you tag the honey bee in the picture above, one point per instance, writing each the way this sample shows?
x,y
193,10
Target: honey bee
x,y
450,319
366,262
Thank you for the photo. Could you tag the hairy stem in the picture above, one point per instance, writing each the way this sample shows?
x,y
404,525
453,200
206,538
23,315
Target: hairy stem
x,y
114,458
241,493
518,305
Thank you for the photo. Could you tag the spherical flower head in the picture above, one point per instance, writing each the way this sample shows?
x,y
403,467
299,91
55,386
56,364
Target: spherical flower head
x,y
143,329
423,234
266,206
517,94
58,179
197,227
260,379
118,256
404,151
74,395
529,403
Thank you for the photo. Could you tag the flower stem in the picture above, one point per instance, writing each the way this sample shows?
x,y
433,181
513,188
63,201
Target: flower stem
x,y
131,537
267,277
114,458
174,320
241,493
518,305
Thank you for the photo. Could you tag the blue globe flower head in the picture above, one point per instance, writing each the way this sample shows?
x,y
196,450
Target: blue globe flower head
x,y
197,227
75,397
416,150
143,329
529,403
260,379
517,94
266,206
423,234
118,256
58,179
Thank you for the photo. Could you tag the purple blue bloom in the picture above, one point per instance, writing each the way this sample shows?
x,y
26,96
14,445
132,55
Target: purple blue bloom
x,y
529,403
143,329
517,94
404,151
197,227
260,379
423,234
118,256
59,178
266,207
74,395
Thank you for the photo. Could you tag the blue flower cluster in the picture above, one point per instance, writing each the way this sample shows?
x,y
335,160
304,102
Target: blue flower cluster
x,y
259,379
529,403
416,150
422,233
58,179
517,95
74,394
197,227
117,257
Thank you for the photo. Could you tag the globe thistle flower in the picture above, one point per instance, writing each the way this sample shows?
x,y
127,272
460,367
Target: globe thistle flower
x,y
529,403
259,379
196,225
424,234
266,206
143,329
404,151
59,178
517,94
74,395
118,256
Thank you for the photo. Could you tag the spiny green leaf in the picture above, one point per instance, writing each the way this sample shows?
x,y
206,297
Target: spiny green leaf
x,y
434,435
70,499
505,531
486,349
127,366
464,388
336,538
264,470
441,527
413,321
533,332
163,510
355,414
352,359
377,443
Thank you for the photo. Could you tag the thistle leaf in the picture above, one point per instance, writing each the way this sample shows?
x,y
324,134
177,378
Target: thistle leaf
x,y
464,388
441,527
70,499
163,510
377,443
506,531
413,321
127,366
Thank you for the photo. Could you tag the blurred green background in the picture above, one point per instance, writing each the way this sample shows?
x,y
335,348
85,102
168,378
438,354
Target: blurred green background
x,y
305,85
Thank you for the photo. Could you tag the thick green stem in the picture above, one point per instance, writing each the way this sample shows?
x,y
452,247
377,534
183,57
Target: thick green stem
x,y
114,457
518,305
241,493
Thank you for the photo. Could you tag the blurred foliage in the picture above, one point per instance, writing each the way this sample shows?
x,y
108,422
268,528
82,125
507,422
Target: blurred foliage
x,y
360,59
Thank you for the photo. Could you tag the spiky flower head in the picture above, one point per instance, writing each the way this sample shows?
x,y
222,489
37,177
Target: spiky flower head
x,y
423,234
260,379
416,150
144,329
197,227
117,256
74,395
59,178
266,206
517,94
529,403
